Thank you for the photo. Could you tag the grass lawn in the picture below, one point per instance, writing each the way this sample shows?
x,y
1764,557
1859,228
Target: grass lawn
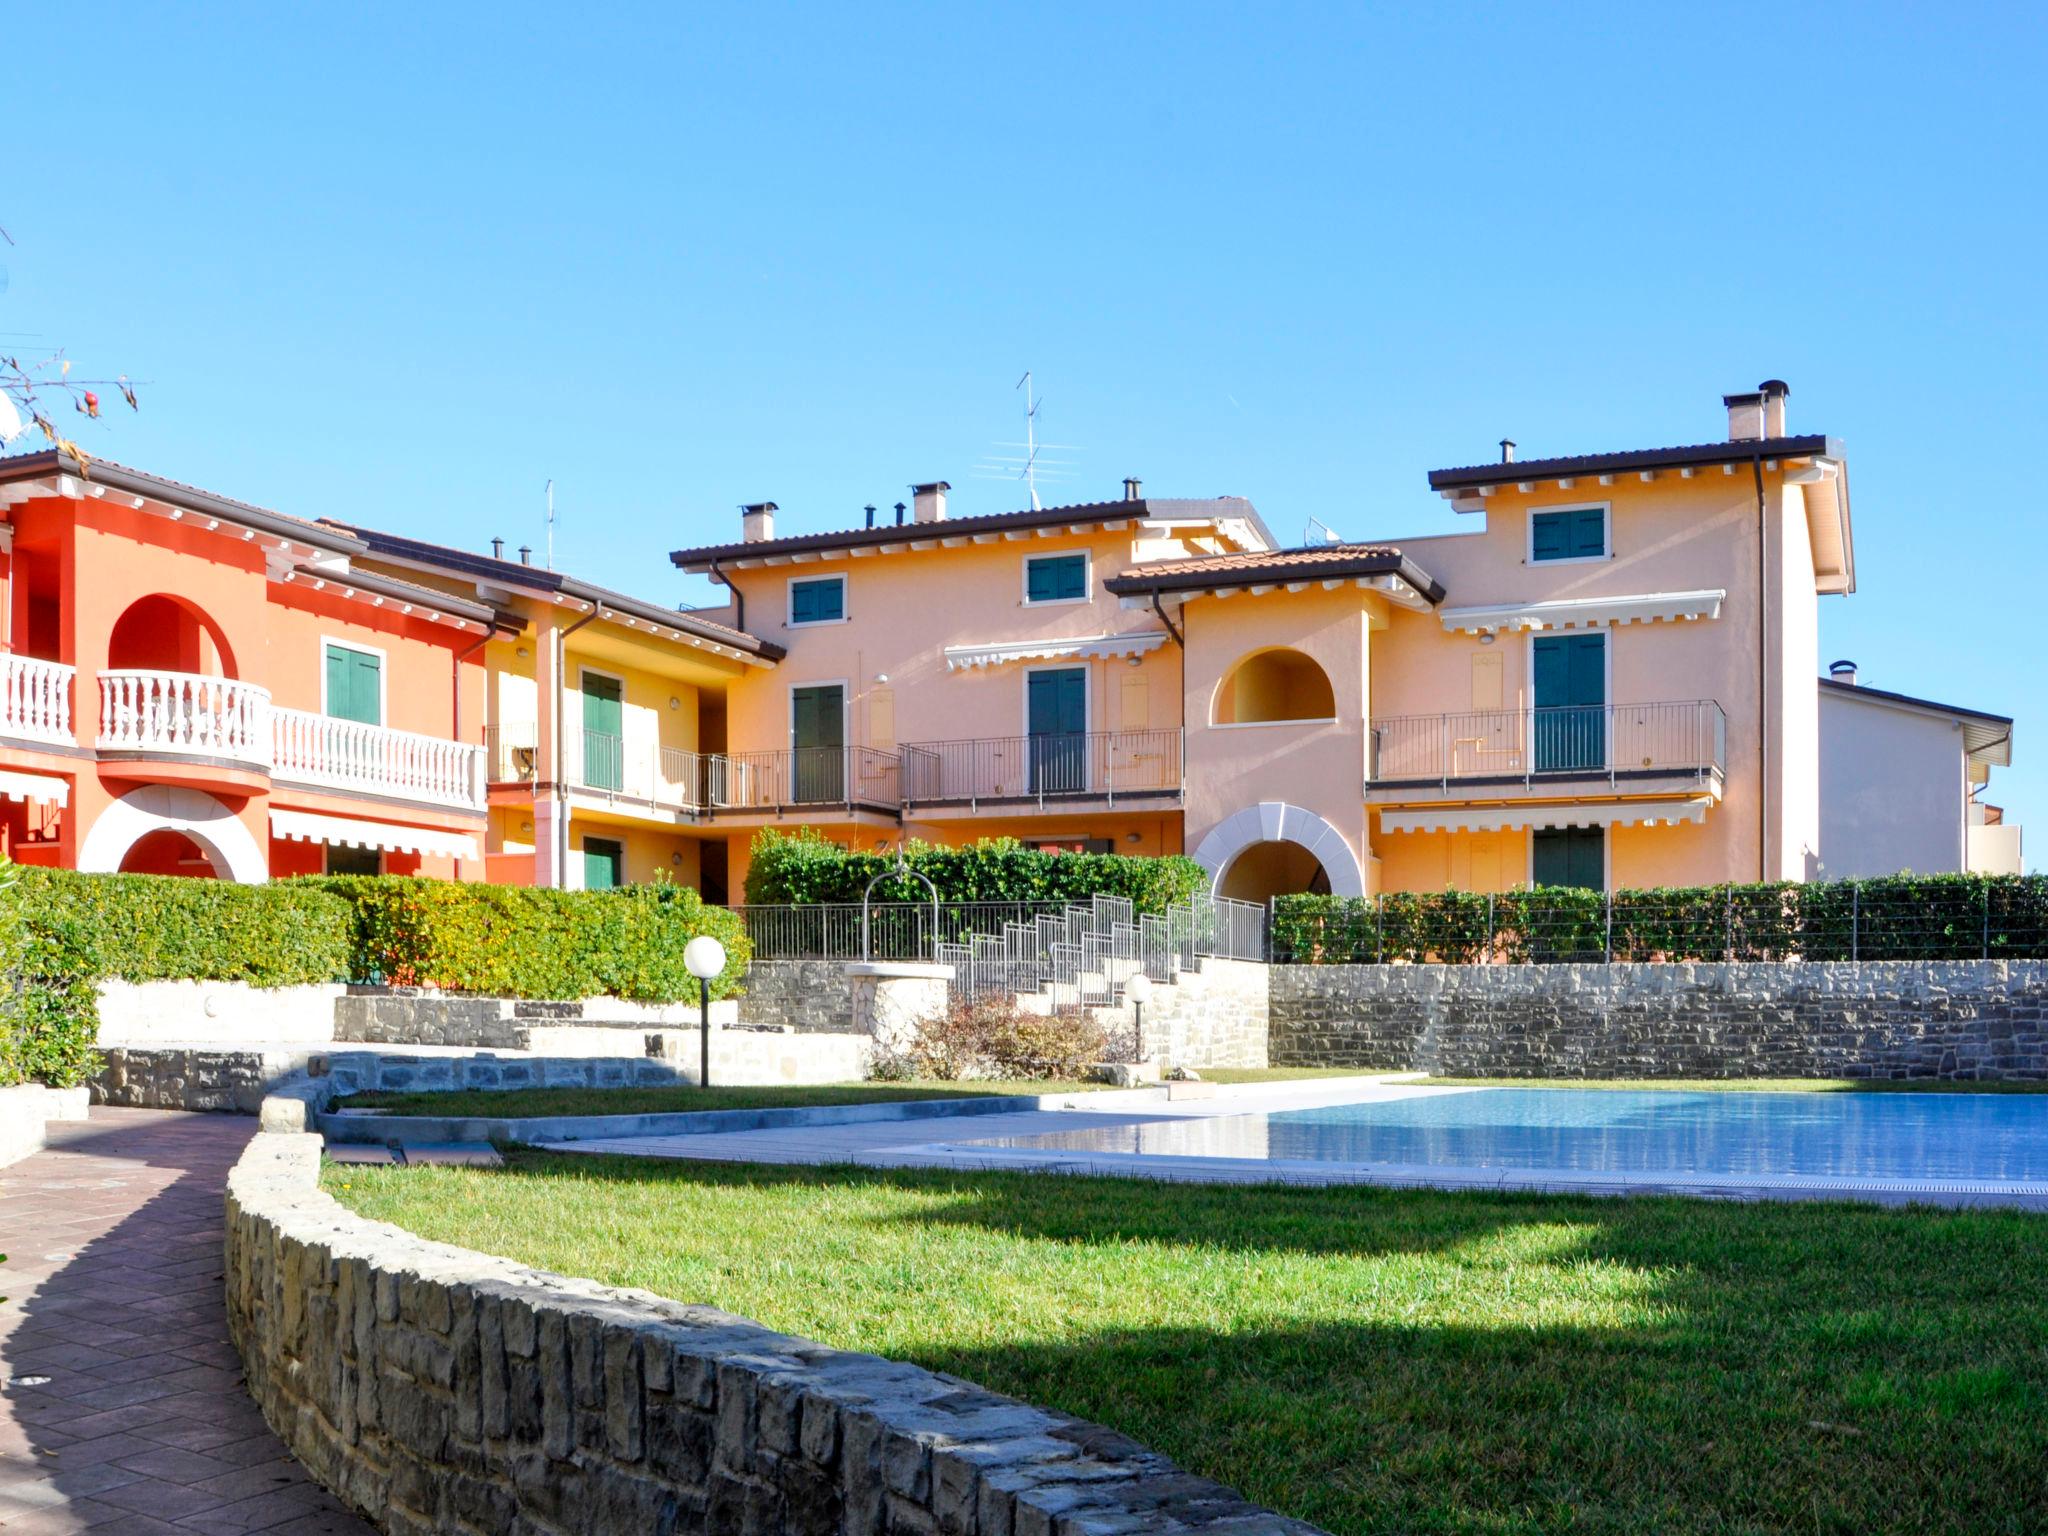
x,y
1736,1084
516,1103
1375,1360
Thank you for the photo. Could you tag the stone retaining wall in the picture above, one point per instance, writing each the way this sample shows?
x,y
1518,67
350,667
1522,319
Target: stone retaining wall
x,y
440,1390
815,996
1952,1021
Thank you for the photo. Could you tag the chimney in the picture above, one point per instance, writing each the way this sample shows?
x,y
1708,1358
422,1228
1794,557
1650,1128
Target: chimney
x,y
1843,672
497,549
899,514
1507,450
526,554
1745,417
928,501
1775,393
870,510
757,521
1134,488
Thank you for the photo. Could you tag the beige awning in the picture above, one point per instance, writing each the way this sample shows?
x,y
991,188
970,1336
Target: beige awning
x,y
1586,612
961,658
46,787
348,832
1499,818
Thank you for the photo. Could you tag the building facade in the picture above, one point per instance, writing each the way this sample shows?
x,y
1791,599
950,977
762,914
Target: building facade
x,y
193,685
1607,680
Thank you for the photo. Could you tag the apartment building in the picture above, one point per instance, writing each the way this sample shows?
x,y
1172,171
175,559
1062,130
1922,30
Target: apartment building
x,y
1607,681
194,685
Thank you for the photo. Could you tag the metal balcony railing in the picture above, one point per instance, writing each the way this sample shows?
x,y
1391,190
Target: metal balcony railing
x,y
185,714
1027,770
511,753
866,777
1610,741
35,699
374,759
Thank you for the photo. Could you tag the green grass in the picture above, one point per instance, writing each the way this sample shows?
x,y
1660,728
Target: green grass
x,y
1375,1360
523,1103
1735,1085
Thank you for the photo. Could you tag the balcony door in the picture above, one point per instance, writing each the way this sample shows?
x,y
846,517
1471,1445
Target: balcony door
x,y
817,735
1056,715
355,685
604,743
1571,702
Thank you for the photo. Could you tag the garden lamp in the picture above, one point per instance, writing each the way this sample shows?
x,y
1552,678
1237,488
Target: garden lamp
x,y
1139,990
704,958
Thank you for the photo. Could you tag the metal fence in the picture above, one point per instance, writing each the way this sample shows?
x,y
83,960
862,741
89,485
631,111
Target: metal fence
x,y
1081,952
1952,918
1526,744
1007,769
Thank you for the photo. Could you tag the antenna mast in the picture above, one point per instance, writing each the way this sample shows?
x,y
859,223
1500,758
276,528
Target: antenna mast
x,y
1030,440
1031,466
551,525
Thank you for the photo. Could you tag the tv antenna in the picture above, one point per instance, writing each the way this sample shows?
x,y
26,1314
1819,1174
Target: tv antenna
x,y
1031,465
551,525
1329,534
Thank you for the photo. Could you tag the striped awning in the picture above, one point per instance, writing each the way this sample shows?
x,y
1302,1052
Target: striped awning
x,y
45,787
1499,818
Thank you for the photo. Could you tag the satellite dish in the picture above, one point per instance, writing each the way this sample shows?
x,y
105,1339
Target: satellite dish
x,y
11,424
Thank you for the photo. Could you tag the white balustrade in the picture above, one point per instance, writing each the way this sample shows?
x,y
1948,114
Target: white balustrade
x,y
184,713
35,699
376,760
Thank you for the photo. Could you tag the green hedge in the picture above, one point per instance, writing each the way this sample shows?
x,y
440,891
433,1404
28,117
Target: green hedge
x,y
805,867
1900,917
61,933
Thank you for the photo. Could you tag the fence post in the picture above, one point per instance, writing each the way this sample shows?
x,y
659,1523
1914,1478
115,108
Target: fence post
x,y
1489,929
1855,921
1728,927
1379,929
1610,927
1272,912
1985,887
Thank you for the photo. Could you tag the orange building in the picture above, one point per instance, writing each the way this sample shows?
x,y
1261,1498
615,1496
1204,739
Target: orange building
x,y
194,685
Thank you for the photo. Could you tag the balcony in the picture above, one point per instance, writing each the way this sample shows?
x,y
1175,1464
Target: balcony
x,y
1043,771
184,715
35,700
666,779
1528,749
354,758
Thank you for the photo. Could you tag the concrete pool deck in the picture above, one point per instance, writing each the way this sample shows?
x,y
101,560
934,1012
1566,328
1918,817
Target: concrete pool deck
x,y
924,1144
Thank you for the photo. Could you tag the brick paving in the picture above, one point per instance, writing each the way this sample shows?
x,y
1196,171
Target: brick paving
x,y
113,1287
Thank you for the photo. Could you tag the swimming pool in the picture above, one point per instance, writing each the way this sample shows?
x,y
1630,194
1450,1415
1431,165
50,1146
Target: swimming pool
x,y
1660,1136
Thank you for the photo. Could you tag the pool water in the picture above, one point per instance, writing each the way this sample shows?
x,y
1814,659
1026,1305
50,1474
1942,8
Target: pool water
x,y
1905,1136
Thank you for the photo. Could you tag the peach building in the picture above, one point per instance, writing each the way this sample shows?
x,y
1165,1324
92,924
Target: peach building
x,y
194,685
1607,681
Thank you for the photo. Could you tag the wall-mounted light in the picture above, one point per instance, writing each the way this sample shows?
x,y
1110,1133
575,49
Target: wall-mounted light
x,y
676,859
1134,660
881,677
1133,837
674,702
1486,639
522,653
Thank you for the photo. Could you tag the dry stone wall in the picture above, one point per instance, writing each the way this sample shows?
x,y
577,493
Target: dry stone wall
x,y
1948,1021
438,1390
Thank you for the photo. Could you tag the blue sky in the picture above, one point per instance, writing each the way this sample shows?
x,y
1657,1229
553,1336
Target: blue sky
x,y
406,263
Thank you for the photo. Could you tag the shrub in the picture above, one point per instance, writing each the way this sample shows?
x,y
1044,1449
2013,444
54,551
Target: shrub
x,y
49,1010
1899,917
806,867
991,1037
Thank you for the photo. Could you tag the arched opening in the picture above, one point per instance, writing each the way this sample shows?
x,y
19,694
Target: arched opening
x,y
1275,685
165,852
1273,869
161,633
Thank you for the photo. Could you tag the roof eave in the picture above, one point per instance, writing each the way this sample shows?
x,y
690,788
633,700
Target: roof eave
x,y
1575,466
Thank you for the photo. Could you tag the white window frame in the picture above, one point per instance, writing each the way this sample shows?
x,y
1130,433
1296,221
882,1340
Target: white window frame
x,y
789,618
1606,510
383,675
1087,558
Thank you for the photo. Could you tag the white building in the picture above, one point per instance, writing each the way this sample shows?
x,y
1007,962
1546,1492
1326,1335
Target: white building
x,y
1900,784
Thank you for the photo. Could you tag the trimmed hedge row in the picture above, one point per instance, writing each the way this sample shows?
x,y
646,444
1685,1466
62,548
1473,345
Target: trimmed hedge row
x,y
805,867
61,933
1899,917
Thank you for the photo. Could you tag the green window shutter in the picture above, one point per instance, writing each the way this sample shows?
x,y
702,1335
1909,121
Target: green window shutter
x,y
1056,578
354,690
604,761
1576,534
603,864
1572,857
817,602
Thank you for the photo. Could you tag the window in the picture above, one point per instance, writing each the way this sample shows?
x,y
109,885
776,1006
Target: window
x,y
604,864
1071,845
1571,857
1571,533
818,600
1055,578
355,684
343,860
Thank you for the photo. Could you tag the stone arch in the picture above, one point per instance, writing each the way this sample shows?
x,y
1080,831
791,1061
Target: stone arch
x,y
1272,684
1275,821
227,844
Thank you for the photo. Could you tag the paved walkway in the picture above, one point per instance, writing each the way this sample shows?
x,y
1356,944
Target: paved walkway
x,y
113,1286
